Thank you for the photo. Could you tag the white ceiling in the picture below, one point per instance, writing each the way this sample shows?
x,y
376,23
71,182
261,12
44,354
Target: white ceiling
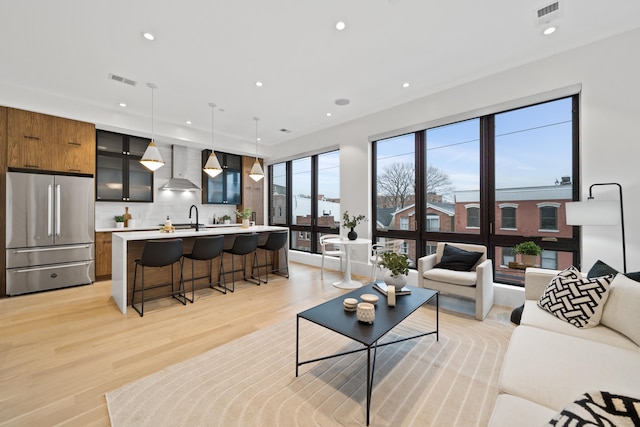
x,y
215,50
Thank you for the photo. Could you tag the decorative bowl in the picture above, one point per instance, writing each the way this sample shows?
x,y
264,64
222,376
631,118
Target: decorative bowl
x,y
370,298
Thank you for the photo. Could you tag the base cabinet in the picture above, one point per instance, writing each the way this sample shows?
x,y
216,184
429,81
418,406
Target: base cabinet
x,y
103,256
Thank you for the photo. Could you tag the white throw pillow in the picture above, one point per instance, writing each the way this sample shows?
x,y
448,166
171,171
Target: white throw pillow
x,y
574,299
622,310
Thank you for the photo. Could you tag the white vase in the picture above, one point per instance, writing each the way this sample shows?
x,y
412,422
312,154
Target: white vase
x,y
398,281
529,260
246,223
119,224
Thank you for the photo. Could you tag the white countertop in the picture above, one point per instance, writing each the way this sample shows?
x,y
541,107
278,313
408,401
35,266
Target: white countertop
x,y
152,227
191,232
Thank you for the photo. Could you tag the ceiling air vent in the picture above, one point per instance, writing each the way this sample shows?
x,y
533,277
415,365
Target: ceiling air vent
x,y
548,13
122,80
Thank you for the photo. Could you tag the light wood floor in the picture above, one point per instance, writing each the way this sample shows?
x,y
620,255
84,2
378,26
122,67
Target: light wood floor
x,y
60,351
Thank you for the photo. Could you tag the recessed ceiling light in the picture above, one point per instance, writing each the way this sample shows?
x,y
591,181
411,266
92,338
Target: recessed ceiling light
x,y
340,25
342,101
405,85
259,84
328,114
549,31
122,104
188,122
148,36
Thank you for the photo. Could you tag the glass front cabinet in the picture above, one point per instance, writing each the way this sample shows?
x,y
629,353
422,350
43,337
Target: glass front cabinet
x,y
225,188
119,174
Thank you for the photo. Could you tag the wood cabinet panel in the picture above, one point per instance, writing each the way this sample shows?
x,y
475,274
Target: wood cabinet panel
x,y
103,254
40,141
252,191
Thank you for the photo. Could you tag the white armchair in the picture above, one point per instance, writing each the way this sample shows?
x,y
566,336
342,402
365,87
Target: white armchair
x,y
476,284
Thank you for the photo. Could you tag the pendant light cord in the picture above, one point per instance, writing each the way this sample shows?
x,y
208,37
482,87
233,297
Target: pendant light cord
x,y
256,119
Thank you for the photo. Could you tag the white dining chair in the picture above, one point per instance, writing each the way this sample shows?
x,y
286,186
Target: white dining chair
x,y
329,249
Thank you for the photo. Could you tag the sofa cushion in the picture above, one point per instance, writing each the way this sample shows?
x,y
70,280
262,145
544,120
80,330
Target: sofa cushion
x,y
462,278
551,369
575,299
622,310
512,411
539,318
602,269
458,259
600,408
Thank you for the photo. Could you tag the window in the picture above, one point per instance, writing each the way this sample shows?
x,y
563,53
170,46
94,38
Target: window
x,y
473,216
305,196
278,194
548,216
487,180
508,220
508,255
433,222
549,259
404,223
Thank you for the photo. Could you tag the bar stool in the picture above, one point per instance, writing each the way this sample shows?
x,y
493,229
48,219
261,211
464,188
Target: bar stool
x,y
206,249
275,241
159,253
243,244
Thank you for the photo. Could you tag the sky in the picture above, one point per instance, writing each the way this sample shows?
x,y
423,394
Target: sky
x,y
533,147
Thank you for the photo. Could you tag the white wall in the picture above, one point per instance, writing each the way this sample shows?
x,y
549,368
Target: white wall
x,y
606,71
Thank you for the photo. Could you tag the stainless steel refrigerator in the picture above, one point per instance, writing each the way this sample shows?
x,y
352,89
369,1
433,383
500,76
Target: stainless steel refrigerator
x,y
50,232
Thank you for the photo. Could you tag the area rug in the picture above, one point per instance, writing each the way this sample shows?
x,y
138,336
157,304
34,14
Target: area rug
x,y
251,381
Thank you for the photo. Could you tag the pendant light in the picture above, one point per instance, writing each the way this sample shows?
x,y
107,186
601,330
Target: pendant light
x,y
151,158
212,167
256,173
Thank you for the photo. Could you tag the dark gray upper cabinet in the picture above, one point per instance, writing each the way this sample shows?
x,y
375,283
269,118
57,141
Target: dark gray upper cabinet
x,y
225,188
119,174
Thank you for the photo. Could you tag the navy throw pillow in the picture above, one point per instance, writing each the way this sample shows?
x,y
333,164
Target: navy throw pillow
x,y
457,259
602,269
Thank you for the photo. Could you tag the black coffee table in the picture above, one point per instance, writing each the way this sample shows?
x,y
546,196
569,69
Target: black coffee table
x,y
333,316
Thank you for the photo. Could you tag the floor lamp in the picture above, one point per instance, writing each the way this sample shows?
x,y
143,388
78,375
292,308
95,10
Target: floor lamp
x,y
595,212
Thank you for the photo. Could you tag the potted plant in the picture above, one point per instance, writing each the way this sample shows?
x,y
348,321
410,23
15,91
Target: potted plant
x,y
350,222
119,221
397,266
245,215
226,219
528,251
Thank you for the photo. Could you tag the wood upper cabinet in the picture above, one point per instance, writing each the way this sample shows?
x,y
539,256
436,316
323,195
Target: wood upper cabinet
x,y
252,191
43,142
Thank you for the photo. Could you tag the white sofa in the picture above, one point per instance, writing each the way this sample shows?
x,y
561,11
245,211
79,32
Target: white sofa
x,y
549,362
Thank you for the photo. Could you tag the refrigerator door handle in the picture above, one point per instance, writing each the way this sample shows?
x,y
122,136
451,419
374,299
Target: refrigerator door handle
x,y
58,210
51,267
48,249
49,209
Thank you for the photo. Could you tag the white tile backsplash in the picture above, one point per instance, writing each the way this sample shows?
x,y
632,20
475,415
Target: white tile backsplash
x,y
167,203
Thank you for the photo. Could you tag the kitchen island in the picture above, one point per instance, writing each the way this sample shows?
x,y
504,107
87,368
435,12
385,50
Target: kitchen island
x,y
127,246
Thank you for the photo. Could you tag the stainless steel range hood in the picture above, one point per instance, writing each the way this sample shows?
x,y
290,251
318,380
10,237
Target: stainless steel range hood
x,y
178,182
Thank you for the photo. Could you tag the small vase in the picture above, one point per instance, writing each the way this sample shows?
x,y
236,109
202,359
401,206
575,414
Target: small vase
x,y
529,260
119,224
245,223
397,282
352,235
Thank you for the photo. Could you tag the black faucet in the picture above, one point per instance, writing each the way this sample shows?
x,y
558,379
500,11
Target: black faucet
x,y
197,220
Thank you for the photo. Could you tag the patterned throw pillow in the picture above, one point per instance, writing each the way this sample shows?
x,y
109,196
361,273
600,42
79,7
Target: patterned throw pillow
x,y
600,408
575,299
